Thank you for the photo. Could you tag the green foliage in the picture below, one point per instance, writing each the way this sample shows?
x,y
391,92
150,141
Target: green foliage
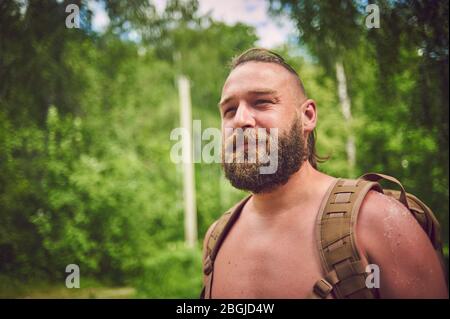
x,y
397,77
175,272
85,120
85,167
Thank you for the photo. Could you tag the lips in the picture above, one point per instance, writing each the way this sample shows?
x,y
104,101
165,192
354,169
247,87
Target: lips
x,y
231,146
248,137
244,146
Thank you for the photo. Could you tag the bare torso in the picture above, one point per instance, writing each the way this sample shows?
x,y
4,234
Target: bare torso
x,y
279,261
274,254
270,257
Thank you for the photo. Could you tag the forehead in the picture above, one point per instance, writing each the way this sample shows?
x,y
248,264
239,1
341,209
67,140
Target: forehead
x,y
253,76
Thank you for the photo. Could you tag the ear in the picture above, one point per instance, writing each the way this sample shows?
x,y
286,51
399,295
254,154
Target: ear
x,y
309,115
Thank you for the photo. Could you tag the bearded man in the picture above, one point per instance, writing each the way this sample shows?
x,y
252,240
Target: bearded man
x,y
271,250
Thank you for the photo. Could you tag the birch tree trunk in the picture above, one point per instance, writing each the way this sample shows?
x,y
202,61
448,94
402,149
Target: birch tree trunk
x,y
190,210
345,103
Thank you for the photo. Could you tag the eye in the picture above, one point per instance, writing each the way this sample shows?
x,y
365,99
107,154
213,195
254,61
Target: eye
x,y
229,111
263,101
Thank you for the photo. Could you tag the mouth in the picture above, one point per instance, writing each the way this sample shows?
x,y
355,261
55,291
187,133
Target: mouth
x,y
242,146
237,148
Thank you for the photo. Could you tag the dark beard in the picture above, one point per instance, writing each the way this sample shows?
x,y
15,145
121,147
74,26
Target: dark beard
x,y
291,155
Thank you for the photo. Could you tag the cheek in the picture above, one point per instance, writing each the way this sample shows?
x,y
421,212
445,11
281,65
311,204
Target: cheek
x,y
277,120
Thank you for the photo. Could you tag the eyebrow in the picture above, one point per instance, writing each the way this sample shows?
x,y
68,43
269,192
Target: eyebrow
x,y
252,92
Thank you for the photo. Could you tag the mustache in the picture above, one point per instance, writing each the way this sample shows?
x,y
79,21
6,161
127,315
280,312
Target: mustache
x,y
250,137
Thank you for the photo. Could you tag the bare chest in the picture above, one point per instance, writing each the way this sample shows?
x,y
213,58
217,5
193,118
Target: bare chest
x,y
282,262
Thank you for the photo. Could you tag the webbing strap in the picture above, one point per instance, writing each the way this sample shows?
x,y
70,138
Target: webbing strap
x,y
375,177
214,242
335,231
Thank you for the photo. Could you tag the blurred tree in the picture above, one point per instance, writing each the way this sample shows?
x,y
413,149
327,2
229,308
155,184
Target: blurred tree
x,y
85,121
397,76
330,30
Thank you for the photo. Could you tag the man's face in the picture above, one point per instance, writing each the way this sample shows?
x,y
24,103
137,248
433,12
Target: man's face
x,y
262,95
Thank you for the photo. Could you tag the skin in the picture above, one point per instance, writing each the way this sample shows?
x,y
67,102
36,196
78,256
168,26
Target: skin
x,y
271,250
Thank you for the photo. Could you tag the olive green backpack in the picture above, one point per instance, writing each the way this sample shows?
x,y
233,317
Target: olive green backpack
x,y
344,271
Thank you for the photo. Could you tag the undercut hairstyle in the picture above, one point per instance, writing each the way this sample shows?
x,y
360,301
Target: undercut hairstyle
x,y
264,55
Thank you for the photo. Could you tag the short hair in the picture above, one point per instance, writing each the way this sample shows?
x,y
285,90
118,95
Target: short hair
x,y
268,56
264,55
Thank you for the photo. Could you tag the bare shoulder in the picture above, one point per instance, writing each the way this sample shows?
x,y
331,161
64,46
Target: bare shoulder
x,y
390,236
379,210
384,220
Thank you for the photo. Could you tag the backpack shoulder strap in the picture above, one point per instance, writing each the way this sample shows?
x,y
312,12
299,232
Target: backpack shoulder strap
x,y
335,230
215,240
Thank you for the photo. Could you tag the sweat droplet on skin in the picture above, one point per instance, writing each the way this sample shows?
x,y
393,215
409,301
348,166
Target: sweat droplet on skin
x,y
393,239
395,220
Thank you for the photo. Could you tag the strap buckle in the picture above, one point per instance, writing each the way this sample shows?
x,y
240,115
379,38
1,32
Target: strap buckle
x,y
208,266
323,288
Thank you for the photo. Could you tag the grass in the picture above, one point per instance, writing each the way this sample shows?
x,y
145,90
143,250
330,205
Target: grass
x,y
89,289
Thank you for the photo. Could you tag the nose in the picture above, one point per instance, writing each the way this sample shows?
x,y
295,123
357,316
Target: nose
x,y
244,117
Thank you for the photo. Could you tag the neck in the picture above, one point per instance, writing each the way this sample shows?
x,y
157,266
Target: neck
x,y
304,187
